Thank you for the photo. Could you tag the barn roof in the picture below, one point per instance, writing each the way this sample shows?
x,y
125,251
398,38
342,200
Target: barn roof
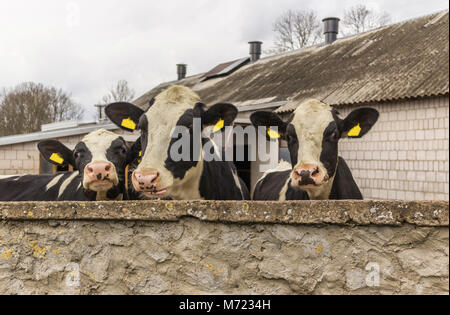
x,y
80,129
225,68
404,60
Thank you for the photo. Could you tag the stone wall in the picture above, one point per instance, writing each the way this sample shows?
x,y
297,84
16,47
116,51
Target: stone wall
x,y
361,247
406,155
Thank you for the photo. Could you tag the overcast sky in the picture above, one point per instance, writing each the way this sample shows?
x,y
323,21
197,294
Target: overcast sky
x,y
86,46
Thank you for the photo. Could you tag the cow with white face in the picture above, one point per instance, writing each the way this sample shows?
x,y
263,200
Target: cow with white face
x,y
159,174
312,134
99,163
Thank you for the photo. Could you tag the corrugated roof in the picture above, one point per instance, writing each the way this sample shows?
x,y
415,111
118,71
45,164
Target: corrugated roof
x,y
82,129
404,60
43,135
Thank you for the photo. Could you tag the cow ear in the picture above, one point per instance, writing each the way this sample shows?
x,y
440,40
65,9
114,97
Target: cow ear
x,y
124,115
56,153
150,103
219,116
359,122
135,152
270,121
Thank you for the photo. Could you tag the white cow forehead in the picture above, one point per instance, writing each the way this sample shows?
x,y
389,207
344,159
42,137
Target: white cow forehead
x,y
98,143
313,116
99,137
171,104
177,94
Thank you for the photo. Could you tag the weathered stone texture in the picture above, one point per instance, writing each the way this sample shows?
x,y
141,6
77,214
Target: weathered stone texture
x,y
191,256
349,212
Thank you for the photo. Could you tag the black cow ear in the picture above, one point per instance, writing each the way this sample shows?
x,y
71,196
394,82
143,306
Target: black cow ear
x,y
135,152
150,103
359,122
219,116
124,115
270,120
56,153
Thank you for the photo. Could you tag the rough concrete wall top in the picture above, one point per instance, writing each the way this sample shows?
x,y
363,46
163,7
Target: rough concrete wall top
x,y
423,213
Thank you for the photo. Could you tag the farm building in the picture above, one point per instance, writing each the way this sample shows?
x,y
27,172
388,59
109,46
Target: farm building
x,y
401,70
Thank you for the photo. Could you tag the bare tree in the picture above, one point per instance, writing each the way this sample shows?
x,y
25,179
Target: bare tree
x,y
359,18
24,108
296,29
121,92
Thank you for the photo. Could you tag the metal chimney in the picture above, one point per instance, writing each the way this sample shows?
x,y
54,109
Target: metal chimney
x,y
181,71
255,50
102,118
330,29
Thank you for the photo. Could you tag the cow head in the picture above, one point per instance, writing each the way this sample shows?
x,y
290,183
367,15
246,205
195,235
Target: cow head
x,y
101,158
312,134
159,174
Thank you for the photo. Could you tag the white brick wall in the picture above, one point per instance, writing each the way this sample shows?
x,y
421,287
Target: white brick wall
x,y
21,158
406,154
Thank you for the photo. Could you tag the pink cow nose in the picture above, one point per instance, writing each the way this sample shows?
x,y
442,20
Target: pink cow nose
x,y
308,174
99,170
145,181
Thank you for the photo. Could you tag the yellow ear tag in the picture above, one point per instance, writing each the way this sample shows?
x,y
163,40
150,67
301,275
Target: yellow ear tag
x,y
128,123
55,157
273,134
219,125
355,131
140,155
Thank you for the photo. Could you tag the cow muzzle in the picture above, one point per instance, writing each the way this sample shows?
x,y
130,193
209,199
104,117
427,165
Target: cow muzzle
x,y
100,176
308,176
148,182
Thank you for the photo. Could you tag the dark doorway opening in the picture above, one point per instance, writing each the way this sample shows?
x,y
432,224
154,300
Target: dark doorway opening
x,y
243,166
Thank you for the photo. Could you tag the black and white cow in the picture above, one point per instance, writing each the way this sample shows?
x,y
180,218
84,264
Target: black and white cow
x,y
99,162
312,134
159,175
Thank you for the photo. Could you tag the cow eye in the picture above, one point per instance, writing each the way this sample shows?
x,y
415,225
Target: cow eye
x,y
334,136
78,153
289,138
142,127
120,149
